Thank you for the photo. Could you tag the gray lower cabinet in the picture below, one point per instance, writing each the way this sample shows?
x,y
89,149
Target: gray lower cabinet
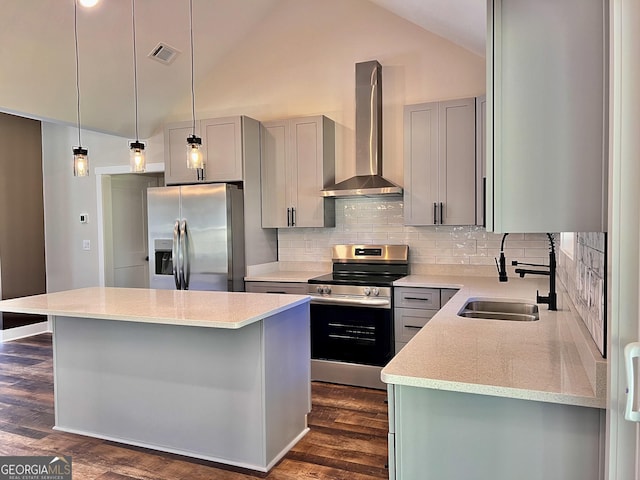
x,y
439,434
295,288
440,163
413,308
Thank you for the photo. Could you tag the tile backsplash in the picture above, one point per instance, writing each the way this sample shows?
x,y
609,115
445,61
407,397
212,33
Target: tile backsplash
x,y
441,249
584,279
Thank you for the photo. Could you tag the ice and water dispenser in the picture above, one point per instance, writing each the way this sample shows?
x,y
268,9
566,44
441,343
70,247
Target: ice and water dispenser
x,y
162,249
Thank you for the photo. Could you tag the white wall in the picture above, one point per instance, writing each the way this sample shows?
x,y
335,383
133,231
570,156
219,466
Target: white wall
x,y
299,61
66,197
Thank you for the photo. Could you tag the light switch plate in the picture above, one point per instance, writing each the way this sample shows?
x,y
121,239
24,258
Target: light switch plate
x,y
86,244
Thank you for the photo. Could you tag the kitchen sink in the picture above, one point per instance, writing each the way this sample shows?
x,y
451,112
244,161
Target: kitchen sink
x,y
500,310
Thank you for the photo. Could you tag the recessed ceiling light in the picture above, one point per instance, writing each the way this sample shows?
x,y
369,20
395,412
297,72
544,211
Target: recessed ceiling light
x,y
89,3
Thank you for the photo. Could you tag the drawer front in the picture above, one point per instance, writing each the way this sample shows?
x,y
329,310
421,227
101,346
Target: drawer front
x,y
409,320
409,297
277,287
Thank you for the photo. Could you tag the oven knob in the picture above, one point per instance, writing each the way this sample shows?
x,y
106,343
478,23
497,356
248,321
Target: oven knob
x,y
367,291
326,290
375,291
319,289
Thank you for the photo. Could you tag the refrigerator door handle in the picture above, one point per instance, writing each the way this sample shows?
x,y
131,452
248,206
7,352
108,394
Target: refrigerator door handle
x,y
175,254
631,351
184,250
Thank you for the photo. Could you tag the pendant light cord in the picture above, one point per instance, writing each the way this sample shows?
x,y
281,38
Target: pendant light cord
x,y
193,95
135,64
75,31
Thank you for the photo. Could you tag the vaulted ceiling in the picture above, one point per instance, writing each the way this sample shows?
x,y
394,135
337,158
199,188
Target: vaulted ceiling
x,y
38,55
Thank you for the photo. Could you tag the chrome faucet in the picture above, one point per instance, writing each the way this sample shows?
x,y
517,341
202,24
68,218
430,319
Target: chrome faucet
x,y
551,298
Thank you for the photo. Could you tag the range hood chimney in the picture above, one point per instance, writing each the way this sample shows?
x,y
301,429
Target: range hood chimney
x,y
368,180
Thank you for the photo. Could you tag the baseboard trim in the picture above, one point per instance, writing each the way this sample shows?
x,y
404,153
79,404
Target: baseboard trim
x,y
22,332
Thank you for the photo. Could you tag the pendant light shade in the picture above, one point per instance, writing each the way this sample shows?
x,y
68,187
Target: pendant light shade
x,y
80,162
137,160
195,159
194,152
80,154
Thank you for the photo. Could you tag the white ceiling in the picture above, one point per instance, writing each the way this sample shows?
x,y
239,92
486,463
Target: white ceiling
x,y
38,61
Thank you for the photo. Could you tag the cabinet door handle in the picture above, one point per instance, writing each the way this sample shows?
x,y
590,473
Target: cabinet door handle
x,y
288,217
441,212
293,216
435,213
418,298
631,351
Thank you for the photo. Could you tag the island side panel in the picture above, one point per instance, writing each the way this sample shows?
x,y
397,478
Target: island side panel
x,y
189,390
287,350
440,434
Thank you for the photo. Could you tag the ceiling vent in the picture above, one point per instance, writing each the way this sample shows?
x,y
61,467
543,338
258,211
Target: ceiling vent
x,y
163,53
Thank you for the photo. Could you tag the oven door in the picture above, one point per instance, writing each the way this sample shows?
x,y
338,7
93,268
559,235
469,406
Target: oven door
x,y
351,333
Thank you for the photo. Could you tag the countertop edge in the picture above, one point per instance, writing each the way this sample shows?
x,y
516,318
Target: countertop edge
x,y
494,391
284,276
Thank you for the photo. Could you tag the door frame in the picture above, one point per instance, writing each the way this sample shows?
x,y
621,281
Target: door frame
x,y
102,174
624,232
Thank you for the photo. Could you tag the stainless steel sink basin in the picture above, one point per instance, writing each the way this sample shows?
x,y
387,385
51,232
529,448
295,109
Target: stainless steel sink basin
x,y
500,310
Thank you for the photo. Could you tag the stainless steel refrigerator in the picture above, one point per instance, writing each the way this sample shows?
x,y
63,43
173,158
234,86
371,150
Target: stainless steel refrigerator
x,y
196,237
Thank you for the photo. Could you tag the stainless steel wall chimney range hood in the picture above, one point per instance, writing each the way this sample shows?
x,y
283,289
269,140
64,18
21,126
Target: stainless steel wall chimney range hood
x,y
368,180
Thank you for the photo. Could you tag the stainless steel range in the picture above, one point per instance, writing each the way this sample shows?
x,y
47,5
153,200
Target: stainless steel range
x,y
352,314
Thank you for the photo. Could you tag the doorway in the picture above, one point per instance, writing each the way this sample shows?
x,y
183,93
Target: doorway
x,y
129,229
122,212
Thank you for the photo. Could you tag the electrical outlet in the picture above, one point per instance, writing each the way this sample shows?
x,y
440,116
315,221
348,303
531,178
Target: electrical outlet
x,y
86,244
84,218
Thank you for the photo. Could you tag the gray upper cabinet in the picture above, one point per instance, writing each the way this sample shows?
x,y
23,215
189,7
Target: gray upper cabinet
x,y
546,115
481,155
440,163
175,153
298,161
222,140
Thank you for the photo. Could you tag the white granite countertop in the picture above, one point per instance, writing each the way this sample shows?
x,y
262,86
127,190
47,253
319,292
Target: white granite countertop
x,y
550,360
231,310
289,276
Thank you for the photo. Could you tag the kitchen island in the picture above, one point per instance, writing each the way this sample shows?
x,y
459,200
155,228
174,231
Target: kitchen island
x,y
496,399
219,376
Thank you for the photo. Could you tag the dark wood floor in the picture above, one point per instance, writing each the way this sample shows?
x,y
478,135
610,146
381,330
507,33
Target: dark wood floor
x,y
348,437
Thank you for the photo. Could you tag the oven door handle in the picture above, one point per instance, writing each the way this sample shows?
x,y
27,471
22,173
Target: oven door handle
x,y
368,302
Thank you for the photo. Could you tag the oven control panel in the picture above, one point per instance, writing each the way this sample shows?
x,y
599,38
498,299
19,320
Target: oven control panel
x,y
350,290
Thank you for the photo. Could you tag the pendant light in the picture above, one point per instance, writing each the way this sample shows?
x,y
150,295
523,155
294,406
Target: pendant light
x,y
137,161
194,143
80,154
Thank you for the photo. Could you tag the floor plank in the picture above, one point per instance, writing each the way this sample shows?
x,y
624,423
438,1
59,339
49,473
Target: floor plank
x,y
347,438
